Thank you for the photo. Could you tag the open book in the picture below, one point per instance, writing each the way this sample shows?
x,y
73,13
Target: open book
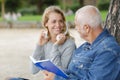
x,y
49,66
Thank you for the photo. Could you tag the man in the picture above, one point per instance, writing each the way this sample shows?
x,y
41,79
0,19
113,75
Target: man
x,y
99,57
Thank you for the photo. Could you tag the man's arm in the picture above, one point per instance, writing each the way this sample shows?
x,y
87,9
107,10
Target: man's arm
x,y
104,67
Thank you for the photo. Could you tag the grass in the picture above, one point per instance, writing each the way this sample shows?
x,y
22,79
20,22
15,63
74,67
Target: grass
x,y
70,18
104,15
38,17
0,19
30,18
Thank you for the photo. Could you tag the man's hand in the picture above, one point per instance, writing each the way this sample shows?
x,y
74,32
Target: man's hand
x,y
48,75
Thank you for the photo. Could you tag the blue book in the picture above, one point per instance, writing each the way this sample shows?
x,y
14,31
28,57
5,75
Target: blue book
x,y
49,66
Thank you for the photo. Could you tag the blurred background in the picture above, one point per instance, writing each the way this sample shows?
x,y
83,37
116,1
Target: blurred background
x,y
20,26
30,11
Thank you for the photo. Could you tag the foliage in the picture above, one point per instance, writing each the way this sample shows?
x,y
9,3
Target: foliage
x,y
74,7
103,4
42,4
66,6
28,10
24,5
12,5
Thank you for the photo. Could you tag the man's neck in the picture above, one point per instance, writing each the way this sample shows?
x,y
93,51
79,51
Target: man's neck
x,y
94,34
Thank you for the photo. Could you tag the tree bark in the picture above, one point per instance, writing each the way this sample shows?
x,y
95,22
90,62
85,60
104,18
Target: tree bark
x,y
113,19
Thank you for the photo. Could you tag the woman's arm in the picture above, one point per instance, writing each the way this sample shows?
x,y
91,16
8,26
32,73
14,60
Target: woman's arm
x,y
62,59
38,54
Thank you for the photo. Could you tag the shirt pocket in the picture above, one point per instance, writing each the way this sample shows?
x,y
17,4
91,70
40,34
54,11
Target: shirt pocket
x,y
83,63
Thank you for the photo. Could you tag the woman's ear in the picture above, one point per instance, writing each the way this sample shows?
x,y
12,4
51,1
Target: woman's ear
x,y
46,25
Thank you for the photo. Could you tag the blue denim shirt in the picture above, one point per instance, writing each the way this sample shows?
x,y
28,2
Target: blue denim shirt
x,y
97,61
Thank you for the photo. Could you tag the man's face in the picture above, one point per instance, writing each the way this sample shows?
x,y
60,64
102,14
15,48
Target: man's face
x,y
80,29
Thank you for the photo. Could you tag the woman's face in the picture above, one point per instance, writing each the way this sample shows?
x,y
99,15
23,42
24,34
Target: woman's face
x,y
55,23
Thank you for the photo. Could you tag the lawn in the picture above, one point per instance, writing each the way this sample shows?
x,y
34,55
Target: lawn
x,y
31,18
39,17
0,19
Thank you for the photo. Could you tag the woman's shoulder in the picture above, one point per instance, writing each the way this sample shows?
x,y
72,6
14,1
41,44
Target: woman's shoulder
x,y
70,41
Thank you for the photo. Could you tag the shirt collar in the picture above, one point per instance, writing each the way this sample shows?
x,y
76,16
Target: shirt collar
x,y
100,38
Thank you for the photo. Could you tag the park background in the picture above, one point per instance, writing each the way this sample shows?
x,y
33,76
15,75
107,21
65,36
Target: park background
x,y
28,13
18,37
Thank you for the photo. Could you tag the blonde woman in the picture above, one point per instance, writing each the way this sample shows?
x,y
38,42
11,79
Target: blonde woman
x,y
54,43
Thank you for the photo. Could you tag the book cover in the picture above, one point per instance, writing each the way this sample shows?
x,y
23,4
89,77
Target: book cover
x,y
49,66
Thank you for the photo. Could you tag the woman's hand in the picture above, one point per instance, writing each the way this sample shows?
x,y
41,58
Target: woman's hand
x,y
43,38
60,39
48,75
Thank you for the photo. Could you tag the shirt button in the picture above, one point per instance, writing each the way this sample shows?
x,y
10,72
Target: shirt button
x,y
81,66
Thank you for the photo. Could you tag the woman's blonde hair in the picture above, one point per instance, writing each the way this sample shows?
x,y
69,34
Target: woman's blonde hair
x,y
49,10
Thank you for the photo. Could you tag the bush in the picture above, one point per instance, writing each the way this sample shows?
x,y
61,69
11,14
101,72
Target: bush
x,y
103,4
74,7
28,11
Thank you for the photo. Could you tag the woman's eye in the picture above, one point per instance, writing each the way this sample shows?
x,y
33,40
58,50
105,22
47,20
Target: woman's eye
x,y
61,21
53,21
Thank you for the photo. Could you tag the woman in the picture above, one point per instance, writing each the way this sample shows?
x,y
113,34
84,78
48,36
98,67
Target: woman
x,y
59,50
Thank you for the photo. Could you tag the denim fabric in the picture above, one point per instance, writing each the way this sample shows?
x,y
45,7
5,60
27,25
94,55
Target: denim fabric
x,y
97,61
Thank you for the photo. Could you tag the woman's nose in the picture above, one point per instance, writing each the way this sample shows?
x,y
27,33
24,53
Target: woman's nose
x,y
57,24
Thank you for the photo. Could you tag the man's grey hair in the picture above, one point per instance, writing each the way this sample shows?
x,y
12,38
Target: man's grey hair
x,y
88,15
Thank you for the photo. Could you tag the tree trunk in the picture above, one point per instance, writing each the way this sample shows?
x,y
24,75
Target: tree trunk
x,y
40,6
3,8
113,19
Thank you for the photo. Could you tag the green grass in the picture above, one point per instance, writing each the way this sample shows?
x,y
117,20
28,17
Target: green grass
x,y
104,15
70,18
0,19
30,18
38,17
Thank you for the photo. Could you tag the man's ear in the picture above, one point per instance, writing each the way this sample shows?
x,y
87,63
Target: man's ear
x,y
86,28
